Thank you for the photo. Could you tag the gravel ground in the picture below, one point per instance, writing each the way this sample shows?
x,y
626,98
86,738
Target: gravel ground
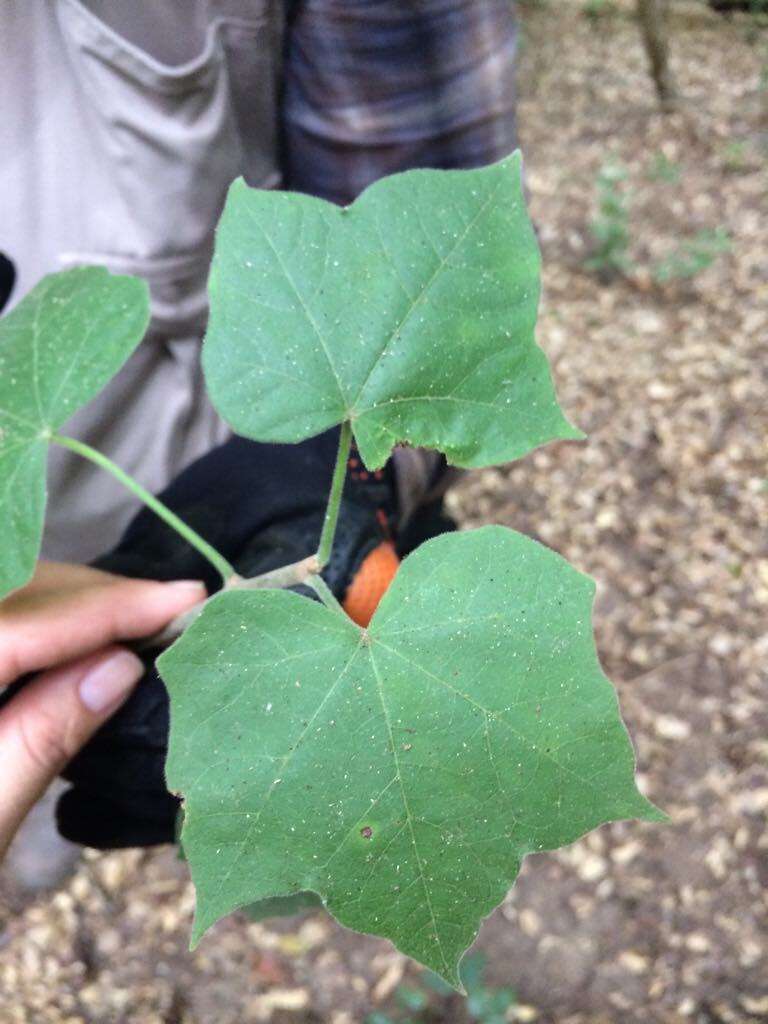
x,y
667,505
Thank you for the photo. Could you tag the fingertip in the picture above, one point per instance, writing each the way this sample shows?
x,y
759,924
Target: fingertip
x,y
169,599
108,682
148,605
181,595
187,591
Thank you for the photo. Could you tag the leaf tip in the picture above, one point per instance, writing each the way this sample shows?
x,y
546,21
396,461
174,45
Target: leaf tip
x,y
195,935
452,975
239,184
561,427
572,433
638,807
200,924
9,585
650,812
513,159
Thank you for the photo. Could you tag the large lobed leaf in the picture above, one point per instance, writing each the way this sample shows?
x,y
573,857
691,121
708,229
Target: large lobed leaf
x,y
410,313
58,348
403,772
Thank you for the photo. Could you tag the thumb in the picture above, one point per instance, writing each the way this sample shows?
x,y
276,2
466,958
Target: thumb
x,y
45,725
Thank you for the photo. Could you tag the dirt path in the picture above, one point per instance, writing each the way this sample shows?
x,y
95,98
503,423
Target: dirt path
x,y
667,505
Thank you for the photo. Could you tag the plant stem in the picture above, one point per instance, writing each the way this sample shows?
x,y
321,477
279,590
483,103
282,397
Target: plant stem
x,y
304,571
284,576
334,499
218,561
165,636
325,594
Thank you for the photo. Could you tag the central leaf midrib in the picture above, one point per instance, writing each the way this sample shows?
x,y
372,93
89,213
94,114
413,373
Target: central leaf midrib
x,y
286,760
35,359
406,806
307,312
424,290
496,716
74,359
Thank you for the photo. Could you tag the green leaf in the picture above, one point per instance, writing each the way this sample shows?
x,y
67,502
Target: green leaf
x,y
403,772
283,906
58,348
410,313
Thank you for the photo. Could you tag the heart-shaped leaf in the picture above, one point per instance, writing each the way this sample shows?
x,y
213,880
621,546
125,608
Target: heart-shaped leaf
x,y
400,772
410,313
58,348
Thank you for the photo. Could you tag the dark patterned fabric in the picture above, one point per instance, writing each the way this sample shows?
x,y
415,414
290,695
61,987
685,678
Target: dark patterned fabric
x,y
377,86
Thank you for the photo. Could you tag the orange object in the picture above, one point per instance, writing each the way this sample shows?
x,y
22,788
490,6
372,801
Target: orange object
x,y
370,582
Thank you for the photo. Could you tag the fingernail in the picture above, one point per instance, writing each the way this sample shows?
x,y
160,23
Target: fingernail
x,y
110,680
188,585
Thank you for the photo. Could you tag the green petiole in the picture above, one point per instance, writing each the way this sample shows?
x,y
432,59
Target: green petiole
x,y
334,499
222,566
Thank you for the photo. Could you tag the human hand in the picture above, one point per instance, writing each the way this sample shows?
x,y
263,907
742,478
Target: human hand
x,y
67,620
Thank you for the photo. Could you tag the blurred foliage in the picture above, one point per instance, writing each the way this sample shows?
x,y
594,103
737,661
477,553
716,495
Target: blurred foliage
x,y
435,1001
661,168
610,228
594,10
735,156
692,256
